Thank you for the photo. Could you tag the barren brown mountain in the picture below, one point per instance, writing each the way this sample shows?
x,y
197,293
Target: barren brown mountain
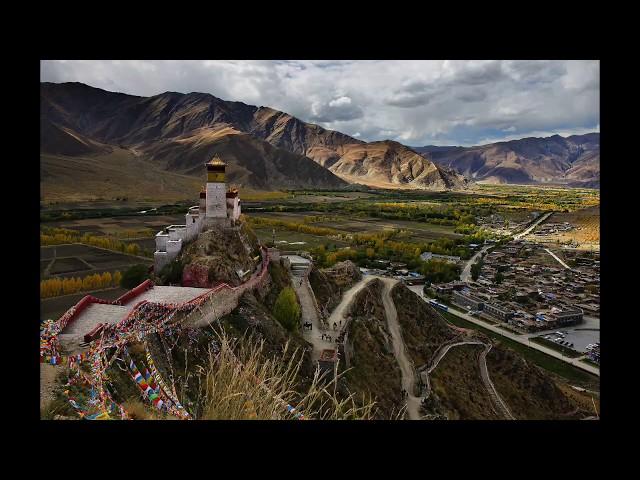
x,y
573,161
266,149
389,164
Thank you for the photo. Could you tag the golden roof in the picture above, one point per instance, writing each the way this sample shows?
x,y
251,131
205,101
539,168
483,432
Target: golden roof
x,y
217,162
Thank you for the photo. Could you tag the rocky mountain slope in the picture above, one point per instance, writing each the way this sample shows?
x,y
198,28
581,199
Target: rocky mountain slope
x,y
265,148
389,164
176,133
574,160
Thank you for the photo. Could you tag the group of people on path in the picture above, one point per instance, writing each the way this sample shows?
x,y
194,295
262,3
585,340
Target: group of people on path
x,y
329,338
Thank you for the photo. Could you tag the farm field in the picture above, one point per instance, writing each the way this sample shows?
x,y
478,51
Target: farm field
x,y
586,233
293,239
53,308
416,231
118,225
82,260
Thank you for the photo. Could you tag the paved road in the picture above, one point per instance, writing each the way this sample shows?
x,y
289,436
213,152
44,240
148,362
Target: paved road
x,y
523,340
558,259
532,226
406,366
465,276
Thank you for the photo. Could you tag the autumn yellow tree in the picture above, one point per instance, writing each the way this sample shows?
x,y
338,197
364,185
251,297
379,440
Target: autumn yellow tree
x,y
107,279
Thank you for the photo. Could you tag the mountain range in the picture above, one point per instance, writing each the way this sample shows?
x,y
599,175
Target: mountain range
x,y
574,160
171,135
100,143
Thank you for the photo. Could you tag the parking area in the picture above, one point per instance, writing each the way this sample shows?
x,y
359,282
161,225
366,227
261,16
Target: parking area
x,y
576,339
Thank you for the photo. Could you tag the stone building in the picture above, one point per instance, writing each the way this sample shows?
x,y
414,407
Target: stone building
x,y
217,208
467,300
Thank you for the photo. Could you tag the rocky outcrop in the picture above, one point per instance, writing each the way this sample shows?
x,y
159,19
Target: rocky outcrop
x,y
216,256
330,283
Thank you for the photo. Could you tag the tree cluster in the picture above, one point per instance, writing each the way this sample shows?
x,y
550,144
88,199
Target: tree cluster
x,y
287,310
54,287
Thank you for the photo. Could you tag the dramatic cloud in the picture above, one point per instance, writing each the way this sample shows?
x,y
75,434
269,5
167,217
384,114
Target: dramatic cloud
x,y
415,102
337,110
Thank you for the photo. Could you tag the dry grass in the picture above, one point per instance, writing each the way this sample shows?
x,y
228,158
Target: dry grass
x,y
242,383
141,411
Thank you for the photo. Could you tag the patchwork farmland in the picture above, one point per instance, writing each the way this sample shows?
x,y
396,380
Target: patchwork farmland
x,y
82,260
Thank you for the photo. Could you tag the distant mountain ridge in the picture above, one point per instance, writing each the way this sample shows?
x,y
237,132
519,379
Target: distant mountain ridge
x,y
266,149
573,160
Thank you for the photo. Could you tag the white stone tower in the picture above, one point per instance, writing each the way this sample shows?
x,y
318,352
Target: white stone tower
x,y
216,190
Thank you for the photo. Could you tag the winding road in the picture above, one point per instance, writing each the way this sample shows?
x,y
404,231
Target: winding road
x,y
406,366
524,339
498,402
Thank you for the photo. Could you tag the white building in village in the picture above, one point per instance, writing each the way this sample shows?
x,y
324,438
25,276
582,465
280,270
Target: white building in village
x,y
217,208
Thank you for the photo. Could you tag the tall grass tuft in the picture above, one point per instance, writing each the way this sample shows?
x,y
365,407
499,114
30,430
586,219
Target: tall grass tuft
x,y
243,383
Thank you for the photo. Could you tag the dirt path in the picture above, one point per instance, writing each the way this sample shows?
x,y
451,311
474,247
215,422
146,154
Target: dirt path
x,y
338,313
425,372
310,314
499,403
406,366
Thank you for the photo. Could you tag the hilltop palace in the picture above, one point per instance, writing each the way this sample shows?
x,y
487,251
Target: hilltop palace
x,y
218,208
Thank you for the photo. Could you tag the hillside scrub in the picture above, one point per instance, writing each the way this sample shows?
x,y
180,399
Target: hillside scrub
x,y
458,389
216,255
172,272
279,276
329,284
423,330
374,370
528,390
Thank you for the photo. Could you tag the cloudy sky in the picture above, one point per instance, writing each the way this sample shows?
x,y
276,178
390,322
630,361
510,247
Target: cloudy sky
x,y
443,102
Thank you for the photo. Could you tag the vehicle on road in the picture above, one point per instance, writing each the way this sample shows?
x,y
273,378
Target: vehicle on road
x,y
438,305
